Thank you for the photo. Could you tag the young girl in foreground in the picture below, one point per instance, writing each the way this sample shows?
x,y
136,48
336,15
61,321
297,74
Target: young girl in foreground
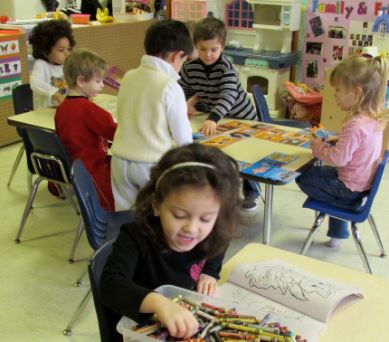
x,y
360,85
185,217
52,41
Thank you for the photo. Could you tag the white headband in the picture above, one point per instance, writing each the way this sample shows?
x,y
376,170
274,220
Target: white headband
x,y
180,165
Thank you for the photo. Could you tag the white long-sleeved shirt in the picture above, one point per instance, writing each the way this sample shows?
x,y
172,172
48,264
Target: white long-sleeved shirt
x,y
152,112
45,80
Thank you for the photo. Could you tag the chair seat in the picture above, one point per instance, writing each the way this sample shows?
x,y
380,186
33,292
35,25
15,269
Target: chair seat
x,y
331,210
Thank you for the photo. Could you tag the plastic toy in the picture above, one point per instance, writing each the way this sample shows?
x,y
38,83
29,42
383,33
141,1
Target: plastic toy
x,y
302,93
57,15
103,16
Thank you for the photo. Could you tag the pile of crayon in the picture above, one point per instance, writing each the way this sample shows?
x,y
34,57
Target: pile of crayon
x,y
220,324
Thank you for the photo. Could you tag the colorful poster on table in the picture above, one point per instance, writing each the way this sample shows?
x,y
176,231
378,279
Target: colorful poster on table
x,y
10,67
333,30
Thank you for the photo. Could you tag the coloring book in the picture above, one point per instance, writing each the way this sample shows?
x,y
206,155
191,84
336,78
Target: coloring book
x,y
300,300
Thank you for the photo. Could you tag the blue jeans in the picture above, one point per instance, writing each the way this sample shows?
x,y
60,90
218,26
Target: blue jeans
x,y
322,183
251,188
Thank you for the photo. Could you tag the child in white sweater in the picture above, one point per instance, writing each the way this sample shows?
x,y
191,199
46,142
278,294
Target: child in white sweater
x,y
152,111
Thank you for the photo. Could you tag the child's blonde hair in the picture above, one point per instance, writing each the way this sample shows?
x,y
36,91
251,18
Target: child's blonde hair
x,y
85,63
369,74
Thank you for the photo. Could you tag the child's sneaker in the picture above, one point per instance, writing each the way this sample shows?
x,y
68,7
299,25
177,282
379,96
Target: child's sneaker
x,y
334,243
56,190
53,189
249,203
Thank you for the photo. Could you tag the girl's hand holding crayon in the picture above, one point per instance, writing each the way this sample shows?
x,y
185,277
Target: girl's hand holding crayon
x,y
178,320
206,285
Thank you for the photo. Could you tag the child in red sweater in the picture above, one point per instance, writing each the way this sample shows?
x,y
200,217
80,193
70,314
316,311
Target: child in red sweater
x,y
83,127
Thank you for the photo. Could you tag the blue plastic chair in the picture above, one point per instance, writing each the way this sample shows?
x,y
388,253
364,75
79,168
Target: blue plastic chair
x,y
100,225
106,318
48,159
22,103
349,215
263,111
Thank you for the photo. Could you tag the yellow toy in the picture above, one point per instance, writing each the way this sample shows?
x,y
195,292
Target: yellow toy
x,y
103,16
57,15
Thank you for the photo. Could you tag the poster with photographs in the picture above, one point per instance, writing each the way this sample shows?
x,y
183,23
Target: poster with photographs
x,y
316,26
333,30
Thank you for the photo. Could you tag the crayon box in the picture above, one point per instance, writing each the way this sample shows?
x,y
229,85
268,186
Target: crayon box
x,y
126,324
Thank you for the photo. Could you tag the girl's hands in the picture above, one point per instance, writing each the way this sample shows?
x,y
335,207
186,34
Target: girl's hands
x,y
314,141
178,320
206,285
209,127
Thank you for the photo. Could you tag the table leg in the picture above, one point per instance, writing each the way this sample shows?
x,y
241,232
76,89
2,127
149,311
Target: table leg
x,y
267,215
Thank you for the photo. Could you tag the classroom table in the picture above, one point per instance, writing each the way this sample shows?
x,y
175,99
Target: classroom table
x,y
359,320
44,117
253,149
247,150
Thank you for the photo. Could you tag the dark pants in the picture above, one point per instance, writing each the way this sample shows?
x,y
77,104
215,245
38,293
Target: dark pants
x,y
322,183
251,188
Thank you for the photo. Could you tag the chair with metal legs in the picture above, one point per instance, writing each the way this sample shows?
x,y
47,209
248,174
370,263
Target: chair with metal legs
x,y
46,158
100,225
22,103
106,318
354,217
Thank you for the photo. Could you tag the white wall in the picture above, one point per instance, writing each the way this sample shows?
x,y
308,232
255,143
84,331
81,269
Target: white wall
x,y
23,9
7,8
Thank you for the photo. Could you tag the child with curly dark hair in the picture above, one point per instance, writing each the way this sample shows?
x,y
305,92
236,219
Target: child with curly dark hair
x,y
52,41
185,217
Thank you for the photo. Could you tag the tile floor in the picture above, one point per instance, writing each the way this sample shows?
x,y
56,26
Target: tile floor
x,y
36,292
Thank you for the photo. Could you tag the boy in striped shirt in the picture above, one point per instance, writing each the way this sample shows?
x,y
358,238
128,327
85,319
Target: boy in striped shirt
x,y
211,85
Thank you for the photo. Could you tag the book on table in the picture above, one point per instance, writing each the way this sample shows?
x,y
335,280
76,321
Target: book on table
x,y
270,167
299,300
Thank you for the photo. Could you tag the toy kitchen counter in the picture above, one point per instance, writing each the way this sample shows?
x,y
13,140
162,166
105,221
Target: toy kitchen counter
x,y
261,58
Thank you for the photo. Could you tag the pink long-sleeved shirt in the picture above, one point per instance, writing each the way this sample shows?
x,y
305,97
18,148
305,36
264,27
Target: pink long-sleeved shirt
x,y
356,154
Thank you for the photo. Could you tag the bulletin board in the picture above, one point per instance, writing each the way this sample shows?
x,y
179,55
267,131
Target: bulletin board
x,y
334,29
13,71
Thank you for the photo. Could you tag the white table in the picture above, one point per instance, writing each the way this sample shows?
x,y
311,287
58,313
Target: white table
x,y
363,320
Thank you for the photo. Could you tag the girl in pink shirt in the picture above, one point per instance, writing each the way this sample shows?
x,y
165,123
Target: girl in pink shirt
x,y
360,86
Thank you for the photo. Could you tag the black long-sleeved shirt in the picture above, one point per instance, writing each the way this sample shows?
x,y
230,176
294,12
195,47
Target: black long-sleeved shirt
x,y
218,88
138,265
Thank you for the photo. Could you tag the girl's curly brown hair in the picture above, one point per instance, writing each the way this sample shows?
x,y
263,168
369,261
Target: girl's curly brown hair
x,y
223,179
46,34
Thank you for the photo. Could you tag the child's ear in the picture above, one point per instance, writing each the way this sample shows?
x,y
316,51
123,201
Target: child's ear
x,y
358,92
80,81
